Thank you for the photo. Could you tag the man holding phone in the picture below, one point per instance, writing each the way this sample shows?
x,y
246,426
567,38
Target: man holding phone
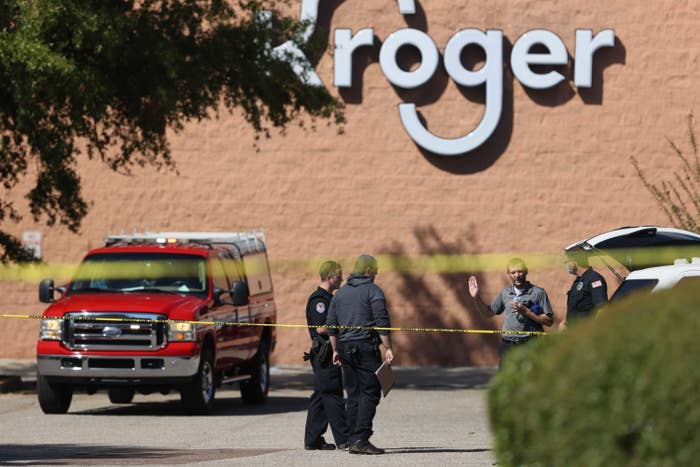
x,y
526,307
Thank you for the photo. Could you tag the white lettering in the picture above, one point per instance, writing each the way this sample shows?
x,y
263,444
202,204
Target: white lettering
x,y
407,7
521,59
345,45
586,46
490,73
429,58
290,51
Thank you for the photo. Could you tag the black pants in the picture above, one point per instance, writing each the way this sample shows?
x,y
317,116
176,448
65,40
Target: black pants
x,y
360,361
507,344
326,405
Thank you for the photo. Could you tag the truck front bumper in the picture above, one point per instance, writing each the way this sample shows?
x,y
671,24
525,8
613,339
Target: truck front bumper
x,y
103,368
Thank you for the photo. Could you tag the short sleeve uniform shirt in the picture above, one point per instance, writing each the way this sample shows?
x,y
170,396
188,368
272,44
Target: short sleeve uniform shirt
x,y
317,310
588,291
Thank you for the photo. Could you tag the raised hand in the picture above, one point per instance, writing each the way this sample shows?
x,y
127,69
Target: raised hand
x,y
473,285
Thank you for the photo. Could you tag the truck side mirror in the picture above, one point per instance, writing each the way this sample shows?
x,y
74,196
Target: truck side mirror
x,y
239,293
46,290
217,292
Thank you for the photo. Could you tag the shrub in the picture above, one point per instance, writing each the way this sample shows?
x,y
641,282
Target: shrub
x,y
618,390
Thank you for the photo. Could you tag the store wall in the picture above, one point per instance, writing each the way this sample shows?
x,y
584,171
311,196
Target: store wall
x,y
557,169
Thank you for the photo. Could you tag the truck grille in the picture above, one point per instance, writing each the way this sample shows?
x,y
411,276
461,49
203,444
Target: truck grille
x,y
114,331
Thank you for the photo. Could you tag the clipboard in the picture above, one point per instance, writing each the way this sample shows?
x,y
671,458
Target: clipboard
x,y
385,375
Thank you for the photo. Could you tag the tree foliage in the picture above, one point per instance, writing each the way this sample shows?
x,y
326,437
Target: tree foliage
x,y
109,77
679,197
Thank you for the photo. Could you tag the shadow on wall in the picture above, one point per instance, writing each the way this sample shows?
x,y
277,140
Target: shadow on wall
x,y
427,306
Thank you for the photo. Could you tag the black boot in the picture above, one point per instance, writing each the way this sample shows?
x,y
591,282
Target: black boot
x,y
321,445
364,447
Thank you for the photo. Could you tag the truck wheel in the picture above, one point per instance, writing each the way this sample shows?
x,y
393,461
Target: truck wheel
x,y
120,395
254,390
53,397
198,395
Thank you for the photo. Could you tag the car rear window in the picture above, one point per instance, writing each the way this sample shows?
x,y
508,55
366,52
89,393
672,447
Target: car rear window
x,y
633,285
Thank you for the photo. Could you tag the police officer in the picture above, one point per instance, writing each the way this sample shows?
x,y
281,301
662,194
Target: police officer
x,y
326,403
588,291
360,304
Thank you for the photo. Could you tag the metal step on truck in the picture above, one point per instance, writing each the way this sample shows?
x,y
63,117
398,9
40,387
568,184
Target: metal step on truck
x,y
160,312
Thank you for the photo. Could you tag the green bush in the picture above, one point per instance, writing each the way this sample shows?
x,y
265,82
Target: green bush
x,y
618,390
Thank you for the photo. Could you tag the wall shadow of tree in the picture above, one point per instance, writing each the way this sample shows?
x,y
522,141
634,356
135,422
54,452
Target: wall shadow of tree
x,y
427,305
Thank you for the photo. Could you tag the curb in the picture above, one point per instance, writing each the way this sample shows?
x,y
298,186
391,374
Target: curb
x,y
17,375
15,384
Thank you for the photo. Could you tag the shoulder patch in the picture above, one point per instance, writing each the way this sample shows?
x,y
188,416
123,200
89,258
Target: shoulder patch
x,y
321,307
595,284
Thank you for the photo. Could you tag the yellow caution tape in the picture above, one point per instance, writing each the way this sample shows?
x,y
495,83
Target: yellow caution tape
x,y
273,325
444,264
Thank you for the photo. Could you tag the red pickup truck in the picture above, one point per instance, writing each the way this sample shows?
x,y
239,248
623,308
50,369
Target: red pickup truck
x,y
156,312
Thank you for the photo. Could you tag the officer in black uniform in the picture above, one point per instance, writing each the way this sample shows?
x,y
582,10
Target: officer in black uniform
x,y
358,305
588,291
326,403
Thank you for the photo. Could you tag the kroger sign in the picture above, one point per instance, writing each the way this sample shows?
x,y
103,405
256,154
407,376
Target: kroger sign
x,y
490,74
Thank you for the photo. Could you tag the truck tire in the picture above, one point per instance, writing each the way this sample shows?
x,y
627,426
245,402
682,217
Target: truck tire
x,y
198,396
254,390
120,395
53,398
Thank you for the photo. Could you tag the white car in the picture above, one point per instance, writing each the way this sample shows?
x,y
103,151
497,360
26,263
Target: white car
x,y
659,278
657,258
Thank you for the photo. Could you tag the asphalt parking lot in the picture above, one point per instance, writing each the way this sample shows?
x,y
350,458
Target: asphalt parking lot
x,y
433,416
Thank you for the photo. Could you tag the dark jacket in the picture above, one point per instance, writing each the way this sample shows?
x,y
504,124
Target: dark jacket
x,y
360,302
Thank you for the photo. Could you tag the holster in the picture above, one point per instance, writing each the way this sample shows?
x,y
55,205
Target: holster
x,y
321,347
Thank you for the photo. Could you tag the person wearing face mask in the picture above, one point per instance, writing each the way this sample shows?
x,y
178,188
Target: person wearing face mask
x,y
526,307
588,291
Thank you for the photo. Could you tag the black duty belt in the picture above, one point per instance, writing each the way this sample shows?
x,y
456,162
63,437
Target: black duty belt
x,y
508,341
364,340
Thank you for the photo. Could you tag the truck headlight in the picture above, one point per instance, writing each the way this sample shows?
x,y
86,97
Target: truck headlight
x,y
182,332
51,329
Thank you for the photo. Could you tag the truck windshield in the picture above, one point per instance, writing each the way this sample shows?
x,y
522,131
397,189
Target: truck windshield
x,y
141,272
